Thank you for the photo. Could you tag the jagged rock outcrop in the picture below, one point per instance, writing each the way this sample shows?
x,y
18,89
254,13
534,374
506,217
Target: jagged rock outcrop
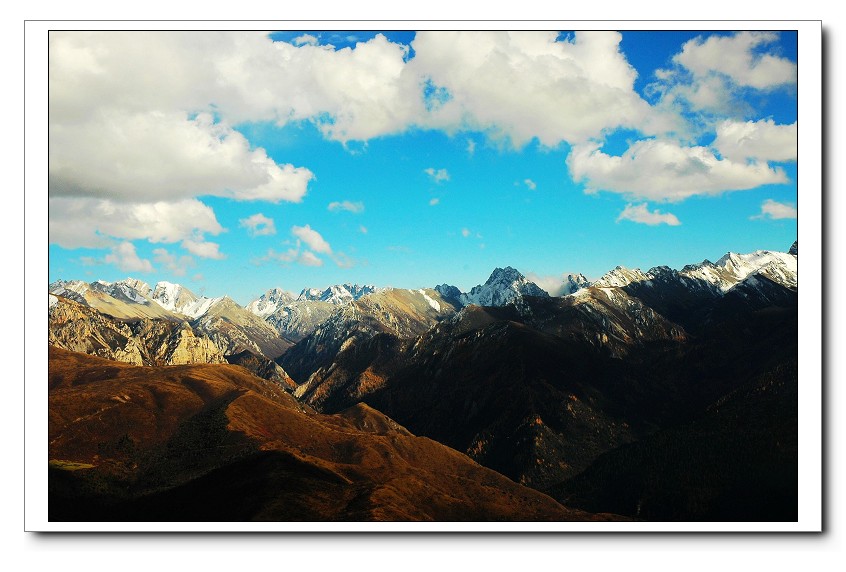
x,y
142,341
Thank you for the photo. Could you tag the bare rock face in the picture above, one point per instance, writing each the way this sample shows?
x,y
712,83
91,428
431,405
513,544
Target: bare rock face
x,y
184,347
78,328
83,329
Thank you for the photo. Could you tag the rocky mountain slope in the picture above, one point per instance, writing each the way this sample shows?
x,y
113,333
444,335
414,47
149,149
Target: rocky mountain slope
x,y
401,313
213,443
539,388
295,317
503,286
235,329
600,381
141,341
232,328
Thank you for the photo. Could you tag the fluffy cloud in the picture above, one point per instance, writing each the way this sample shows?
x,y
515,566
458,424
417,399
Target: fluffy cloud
x,y
711,73
312,238
126,258
760,140
258,225
641,214
178,266
521,85
775,210
530,184
88,222
308,258
288,256
154,156
305,39
144,118
342,260
437,175
246,76
551,284
348,206
737,57
315,243
659,170
203,249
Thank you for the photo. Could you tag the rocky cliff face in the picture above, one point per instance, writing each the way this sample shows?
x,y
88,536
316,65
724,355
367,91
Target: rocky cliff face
x,y
144,341
82,329
183,347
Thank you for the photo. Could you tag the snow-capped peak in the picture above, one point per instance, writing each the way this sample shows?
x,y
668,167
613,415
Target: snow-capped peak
x,y
734,268
138,285
573,283
176,298
270,301
503,286
128,290
338,294
619,277
61,287
200,306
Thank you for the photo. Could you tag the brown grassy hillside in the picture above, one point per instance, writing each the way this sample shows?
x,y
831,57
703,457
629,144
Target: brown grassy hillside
x,y
215,443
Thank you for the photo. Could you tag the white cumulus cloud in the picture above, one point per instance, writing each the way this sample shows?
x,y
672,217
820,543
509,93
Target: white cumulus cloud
x,y
305,39
203,249
760,140
312,238
177,265
437,175
349,206
641,214
660,170
713,73
90,222
125,257
522,85
258,225
308,258
738,57
775,210
150,156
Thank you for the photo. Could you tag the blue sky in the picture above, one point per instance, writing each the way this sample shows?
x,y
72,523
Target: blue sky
x,y
237,162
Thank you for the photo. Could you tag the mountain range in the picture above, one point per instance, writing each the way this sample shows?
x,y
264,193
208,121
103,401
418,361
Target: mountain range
x,y
595,398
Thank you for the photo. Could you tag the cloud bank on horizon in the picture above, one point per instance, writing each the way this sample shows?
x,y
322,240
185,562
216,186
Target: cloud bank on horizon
x,y
150,132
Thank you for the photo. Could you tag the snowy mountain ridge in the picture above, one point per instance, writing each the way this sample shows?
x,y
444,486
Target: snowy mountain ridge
x,y
502,287
722,275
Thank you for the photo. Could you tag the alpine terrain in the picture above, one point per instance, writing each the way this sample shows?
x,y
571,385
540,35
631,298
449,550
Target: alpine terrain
x,y
657,395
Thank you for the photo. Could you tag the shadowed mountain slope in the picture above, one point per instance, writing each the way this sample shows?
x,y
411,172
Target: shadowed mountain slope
x,y
211,442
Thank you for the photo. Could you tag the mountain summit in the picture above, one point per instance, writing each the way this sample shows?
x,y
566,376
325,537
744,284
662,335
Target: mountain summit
x,y
502,287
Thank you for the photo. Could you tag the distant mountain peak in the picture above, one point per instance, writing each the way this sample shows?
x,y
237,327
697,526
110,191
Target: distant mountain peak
x,y
504,273
794,249
337,294
619,277
503,286
270,301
